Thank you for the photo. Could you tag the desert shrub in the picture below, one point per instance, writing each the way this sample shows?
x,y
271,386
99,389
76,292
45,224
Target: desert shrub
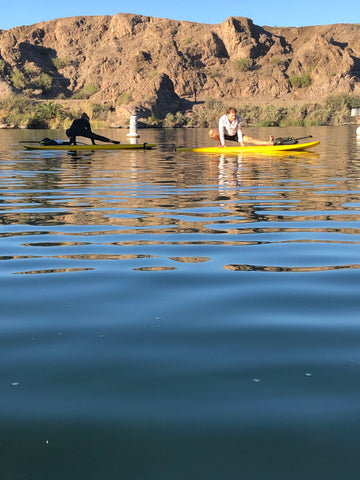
x,y
100,111
169,120
317,114
29,70
16,110
338,107
270,116
124,98
307,114
289,121
18,80
312,122
275,60
213,110
175,120
294,116
44,82
198,119
86,92
300,81
243,64
2,66
60,63
342,100
209,115
249,114
153,121
16,102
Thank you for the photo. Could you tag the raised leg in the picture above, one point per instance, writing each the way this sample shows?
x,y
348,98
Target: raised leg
x,y
215,135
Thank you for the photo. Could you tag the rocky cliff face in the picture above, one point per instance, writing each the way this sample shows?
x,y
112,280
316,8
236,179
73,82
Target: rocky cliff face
x,y
160,65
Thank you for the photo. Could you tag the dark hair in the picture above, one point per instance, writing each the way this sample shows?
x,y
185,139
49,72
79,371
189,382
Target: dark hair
x,y
85,115
231,110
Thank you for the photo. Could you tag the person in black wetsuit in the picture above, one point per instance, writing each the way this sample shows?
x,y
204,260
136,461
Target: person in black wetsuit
x,y
81,128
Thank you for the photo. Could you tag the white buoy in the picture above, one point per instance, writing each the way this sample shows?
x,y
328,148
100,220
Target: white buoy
x,y
133,127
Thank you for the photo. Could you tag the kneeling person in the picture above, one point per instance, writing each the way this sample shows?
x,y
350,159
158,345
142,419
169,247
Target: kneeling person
x,y
81,128
230,128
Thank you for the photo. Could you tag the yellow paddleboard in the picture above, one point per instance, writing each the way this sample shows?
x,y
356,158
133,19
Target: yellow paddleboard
x,y
264,149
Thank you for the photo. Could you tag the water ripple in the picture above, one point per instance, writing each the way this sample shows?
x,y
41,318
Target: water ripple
x,y
154,303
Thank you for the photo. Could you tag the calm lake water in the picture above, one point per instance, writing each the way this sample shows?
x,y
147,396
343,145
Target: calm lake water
x,y
172,316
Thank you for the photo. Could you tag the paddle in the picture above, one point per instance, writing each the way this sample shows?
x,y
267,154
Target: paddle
x,y
289,140
302,138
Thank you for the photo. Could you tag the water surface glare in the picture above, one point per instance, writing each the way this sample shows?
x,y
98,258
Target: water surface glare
x,y
171,316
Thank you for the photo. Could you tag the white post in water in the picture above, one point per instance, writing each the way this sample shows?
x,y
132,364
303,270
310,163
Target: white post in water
x,y
355,112
133,135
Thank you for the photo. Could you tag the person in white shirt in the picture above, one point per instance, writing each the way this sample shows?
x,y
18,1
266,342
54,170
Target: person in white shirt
x,y
230,128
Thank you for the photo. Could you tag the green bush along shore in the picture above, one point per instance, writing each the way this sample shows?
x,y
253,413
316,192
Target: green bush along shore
x,y
18,111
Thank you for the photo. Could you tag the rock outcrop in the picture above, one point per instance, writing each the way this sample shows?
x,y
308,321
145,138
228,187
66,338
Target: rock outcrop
x,y
161,65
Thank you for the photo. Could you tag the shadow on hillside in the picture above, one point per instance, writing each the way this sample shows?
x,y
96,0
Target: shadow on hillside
x,y
43,58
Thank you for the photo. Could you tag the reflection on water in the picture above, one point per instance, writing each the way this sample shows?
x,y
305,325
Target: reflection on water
x,y
249,268
171,315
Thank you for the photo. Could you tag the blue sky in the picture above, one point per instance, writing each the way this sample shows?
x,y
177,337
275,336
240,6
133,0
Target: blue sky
x,y
263,12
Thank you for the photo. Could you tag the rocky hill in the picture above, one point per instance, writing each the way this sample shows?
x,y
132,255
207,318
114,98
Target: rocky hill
x,y
161,65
